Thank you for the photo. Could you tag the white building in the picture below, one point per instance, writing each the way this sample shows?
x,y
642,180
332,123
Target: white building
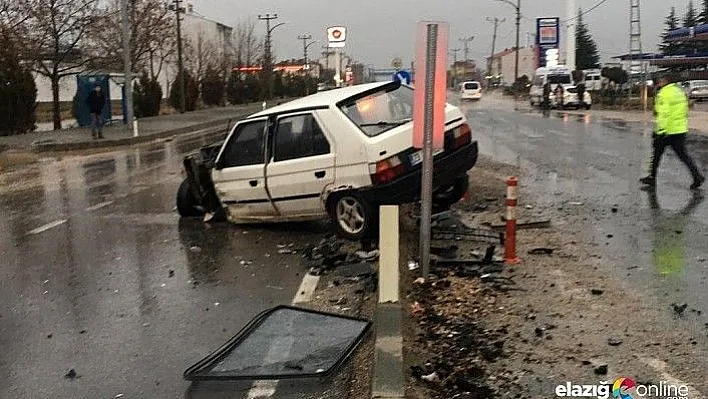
x,y
504,63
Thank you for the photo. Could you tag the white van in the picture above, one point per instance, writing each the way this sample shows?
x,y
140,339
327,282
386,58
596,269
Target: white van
x,y
555,76
470,90
592,79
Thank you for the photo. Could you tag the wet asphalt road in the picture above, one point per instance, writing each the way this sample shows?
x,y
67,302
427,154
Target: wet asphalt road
x,y
586,170
100,275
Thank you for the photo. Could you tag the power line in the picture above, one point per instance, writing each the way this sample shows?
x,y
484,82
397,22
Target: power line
x,y
583,13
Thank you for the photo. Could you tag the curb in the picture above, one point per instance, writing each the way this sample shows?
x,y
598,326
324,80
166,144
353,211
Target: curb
x,y
388,382
85,145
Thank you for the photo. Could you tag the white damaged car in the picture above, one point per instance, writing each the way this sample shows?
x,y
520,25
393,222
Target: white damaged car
x,y
339,154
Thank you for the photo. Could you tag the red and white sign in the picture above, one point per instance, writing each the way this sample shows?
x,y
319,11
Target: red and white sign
x,y
337,36
440,94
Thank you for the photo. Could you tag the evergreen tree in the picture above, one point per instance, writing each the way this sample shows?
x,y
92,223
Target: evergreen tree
x,y
586,55
212,87
191,90
691,17
147,95
18,93
670,23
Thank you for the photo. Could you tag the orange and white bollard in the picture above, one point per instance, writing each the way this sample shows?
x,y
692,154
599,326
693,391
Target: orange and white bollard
x,y
510,241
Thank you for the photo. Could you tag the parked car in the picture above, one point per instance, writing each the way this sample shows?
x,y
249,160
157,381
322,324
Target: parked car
x,y
339,154
571,99
699,93
470,90
690,85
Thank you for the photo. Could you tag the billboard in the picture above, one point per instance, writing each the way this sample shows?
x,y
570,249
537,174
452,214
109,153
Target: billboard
x,y
336,36
547,38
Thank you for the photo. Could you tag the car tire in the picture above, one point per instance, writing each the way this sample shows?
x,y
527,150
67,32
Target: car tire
x,y
187,203
588,106
353,218
448,197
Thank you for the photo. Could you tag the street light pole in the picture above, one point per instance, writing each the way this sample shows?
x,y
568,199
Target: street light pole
x,y
180,60
496,21
516,6
306,66
268,62
128,71
454,66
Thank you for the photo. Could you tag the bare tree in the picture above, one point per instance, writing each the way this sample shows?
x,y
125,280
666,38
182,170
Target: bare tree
x,y
151,37
57,31
248,45
202,53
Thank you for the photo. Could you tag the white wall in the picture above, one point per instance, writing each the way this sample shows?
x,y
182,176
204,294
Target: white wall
x,y
67,88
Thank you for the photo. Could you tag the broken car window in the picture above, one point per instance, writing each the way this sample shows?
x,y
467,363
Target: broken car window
x,y
299,136
245,146
389,104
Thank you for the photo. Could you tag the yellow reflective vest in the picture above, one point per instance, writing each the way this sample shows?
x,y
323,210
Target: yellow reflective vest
x,y
671,109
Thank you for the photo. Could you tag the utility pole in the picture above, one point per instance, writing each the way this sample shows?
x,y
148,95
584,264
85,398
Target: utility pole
x,y
454,66
496,21
306,66
180,59
268,62
466,44
128,75
517,7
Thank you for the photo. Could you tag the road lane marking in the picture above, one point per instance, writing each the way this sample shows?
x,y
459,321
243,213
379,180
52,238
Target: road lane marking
x,y
266,389
661,366
98,206
307,289
46,227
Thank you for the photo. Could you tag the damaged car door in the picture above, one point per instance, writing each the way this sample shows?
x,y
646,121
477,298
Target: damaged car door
x,y
301,166
239,173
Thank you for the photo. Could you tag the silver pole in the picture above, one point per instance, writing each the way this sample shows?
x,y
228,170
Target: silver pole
x,y
426,194
128,67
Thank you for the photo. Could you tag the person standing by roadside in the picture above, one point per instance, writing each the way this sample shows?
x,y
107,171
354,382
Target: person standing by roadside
x,y
671,113
96,101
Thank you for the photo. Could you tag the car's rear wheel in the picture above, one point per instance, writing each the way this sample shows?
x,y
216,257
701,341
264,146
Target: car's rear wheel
x,y
187,203
353,218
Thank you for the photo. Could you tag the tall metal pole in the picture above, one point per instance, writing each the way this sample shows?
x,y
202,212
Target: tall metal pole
x,y
518,24
268,62
570,61
496,21
180,60
466,45
426,204
454,66
128,86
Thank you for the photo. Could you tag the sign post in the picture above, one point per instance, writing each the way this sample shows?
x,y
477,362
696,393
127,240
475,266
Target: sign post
x,y
337,38
429,119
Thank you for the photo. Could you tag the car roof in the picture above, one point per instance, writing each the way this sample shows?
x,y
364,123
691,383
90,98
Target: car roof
x,y
322,99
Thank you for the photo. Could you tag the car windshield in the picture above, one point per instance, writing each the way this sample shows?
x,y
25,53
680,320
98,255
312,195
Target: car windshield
x,y
559,79
381,111
471,86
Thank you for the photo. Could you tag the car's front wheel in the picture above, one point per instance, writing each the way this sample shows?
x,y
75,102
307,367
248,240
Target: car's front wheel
x,y
353,218
187,203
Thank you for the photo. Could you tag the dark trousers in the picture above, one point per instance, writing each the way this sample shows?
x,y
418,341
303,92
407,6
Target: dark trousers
x,y
678,143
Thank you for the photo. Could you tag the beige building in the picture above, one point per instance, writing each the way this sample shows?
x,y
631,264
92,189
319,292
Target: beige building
x,y
503,64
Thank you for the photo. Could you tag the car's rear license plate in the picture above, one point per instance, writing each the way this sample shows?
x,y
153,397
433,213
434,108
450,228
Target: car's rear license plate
x,y
417,157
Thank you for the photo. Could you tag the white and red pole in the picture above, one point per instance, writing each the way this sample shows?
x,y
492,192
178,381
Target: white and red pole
x,y
510,241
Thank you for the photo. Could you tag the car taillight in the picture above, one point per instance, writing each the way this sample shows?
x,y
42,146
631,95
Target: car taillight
x,y
387,170
461,136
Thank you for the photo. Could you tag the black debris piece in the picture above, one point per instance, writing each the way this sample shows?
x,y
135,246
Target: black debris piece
x,y
171,273
71,375
449,252
541,251
614,341
538,331
586,362
595,291
601,370
679,309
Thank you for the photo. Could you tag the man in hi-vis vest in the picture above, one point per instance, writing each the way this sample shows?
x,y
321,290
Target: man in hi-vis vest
x,y
671,110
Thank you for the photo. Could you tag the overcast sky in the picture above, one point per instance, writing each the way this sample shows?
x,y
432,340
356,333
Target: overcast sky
x,y
379,30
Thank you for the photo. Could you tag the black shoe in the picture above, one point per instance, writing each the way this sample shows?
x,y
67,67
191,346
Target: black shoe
x,y
649,181
697,183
